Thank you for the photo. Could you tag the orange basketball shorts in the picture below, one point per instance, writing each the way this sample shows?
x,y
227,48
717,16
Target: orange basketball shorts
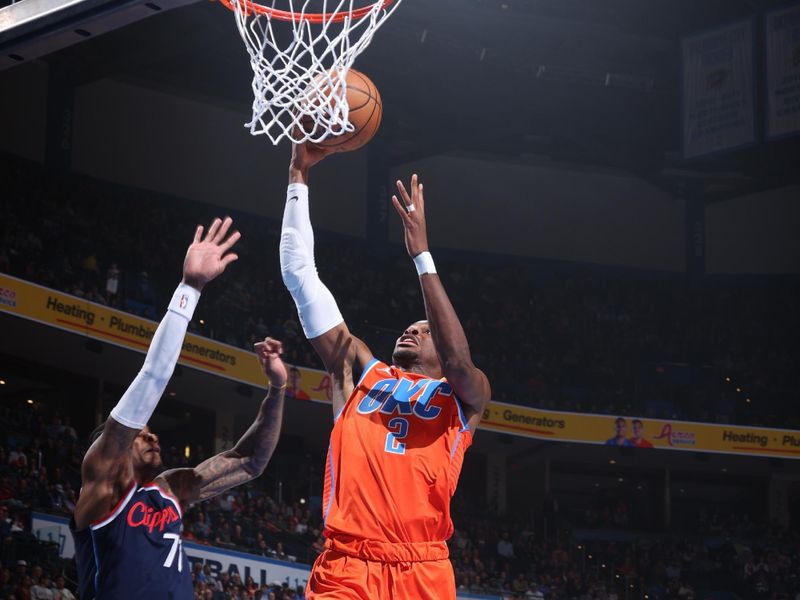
x,y
378,571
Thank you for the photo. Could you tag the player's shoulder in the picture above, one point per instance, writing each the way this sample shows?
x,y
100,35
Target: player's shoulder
x,y
377,369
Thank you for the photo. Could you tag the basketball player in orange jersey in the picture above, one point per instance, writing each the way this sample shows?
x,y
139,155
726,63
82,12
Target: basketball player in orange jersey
x,y
400,430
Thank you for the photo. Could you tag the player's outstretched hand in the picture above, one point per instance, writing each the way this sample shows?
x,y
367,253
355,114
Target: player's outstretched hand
x,y
269,355
208,256
412,210
306,155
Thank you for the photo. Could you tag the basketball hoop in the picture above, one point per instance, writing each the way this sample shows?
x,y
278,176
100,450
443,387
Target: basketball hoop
x,y
305,80
286,15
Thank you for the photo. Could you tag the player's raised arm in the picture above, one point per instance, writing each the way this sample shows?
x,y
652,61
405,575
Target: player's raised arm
x,y
319,314
250,456
470,383
107,468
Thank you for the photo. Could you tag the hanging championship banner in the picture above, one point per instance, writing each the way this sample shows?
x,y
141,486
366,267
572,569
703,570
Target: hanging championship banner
x,y
718,90
783,71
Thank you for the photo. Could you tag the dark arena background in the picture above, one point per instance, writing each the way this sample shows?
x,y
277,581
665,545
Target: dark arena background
x,y
613,201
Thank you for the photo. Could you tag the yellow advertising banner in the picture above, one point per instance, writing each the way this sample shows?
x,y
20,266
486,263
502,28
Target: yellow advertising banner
x,y
611,430
99,322
70,313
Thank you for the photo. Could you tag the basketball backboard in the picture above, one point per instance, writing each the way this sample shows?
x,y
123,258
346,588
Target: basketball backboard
x,y
30,29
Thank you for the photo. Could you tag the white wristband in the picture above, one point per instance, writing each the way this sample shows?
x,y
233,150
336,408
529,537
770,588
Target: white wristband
x,y
424,263
184,301
139,401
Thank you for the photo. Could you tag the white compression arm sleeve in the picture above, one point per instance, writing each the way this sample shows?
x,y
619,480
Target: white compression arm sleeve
x,y
316,306
140,399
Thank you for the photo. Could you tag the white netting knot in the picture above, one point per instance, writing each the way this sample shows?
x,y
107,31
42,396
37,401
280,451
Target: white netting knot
x,y
299,85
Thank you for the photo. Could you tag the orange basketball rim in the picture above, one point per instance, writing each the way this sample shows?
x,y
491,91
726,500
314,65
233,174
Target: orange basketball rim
x,y
294,16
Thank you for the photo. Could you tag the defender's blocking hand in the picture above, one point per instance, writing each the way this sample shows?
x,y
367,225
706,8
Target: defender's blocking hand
x,y
412,211
269,355
207,257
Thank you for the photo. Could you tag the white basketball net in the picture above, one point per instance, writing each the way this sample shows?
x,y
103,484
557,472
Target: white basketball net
x,y
300,90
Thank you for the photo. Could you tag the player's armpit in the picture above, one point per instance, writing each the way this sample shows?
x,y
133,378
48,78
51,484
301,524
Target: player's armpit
x,y
343,354
471,386
110,455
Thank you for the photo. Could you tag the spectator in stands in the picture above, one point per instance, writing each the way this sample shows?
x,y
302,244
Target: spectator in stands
x,y
201,528
41,589
23,589
505,549
5,522
6,585
112,284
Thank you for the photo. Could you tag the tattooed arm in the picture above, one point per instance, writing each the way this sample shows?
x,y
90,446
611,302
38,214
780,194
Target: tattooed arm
x,y
107,470
249,457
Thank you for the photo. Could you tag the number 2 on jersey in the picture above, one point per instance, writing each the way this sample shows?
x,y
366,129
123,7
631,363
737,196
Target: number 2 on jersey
x,y
398,430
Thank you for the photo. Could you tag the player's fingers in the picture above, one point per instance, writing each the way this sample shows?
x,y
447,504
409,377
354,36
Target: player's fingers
x,y
400,208
198,234
421,199
232,239
223,230
414,186
228,259
403,193
212,231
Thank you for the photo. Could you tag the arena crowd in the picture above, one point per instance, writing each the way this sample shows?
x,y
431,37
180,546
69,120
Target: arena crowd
x,y
600,555
557,336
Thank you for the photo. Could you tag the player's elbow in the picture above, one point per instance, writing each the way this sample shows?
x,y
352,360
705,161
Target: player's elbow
x,y
295,259
255,466
469,383
257,462
155,378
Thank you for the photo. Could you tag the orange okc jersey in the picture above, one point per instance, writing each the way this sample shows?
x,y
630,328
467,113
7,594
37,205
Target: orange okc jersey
x,y
394,459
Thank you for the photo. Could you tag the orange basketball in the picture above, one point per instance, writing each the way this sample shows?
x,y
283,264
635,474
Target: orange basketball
x,y
366,111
